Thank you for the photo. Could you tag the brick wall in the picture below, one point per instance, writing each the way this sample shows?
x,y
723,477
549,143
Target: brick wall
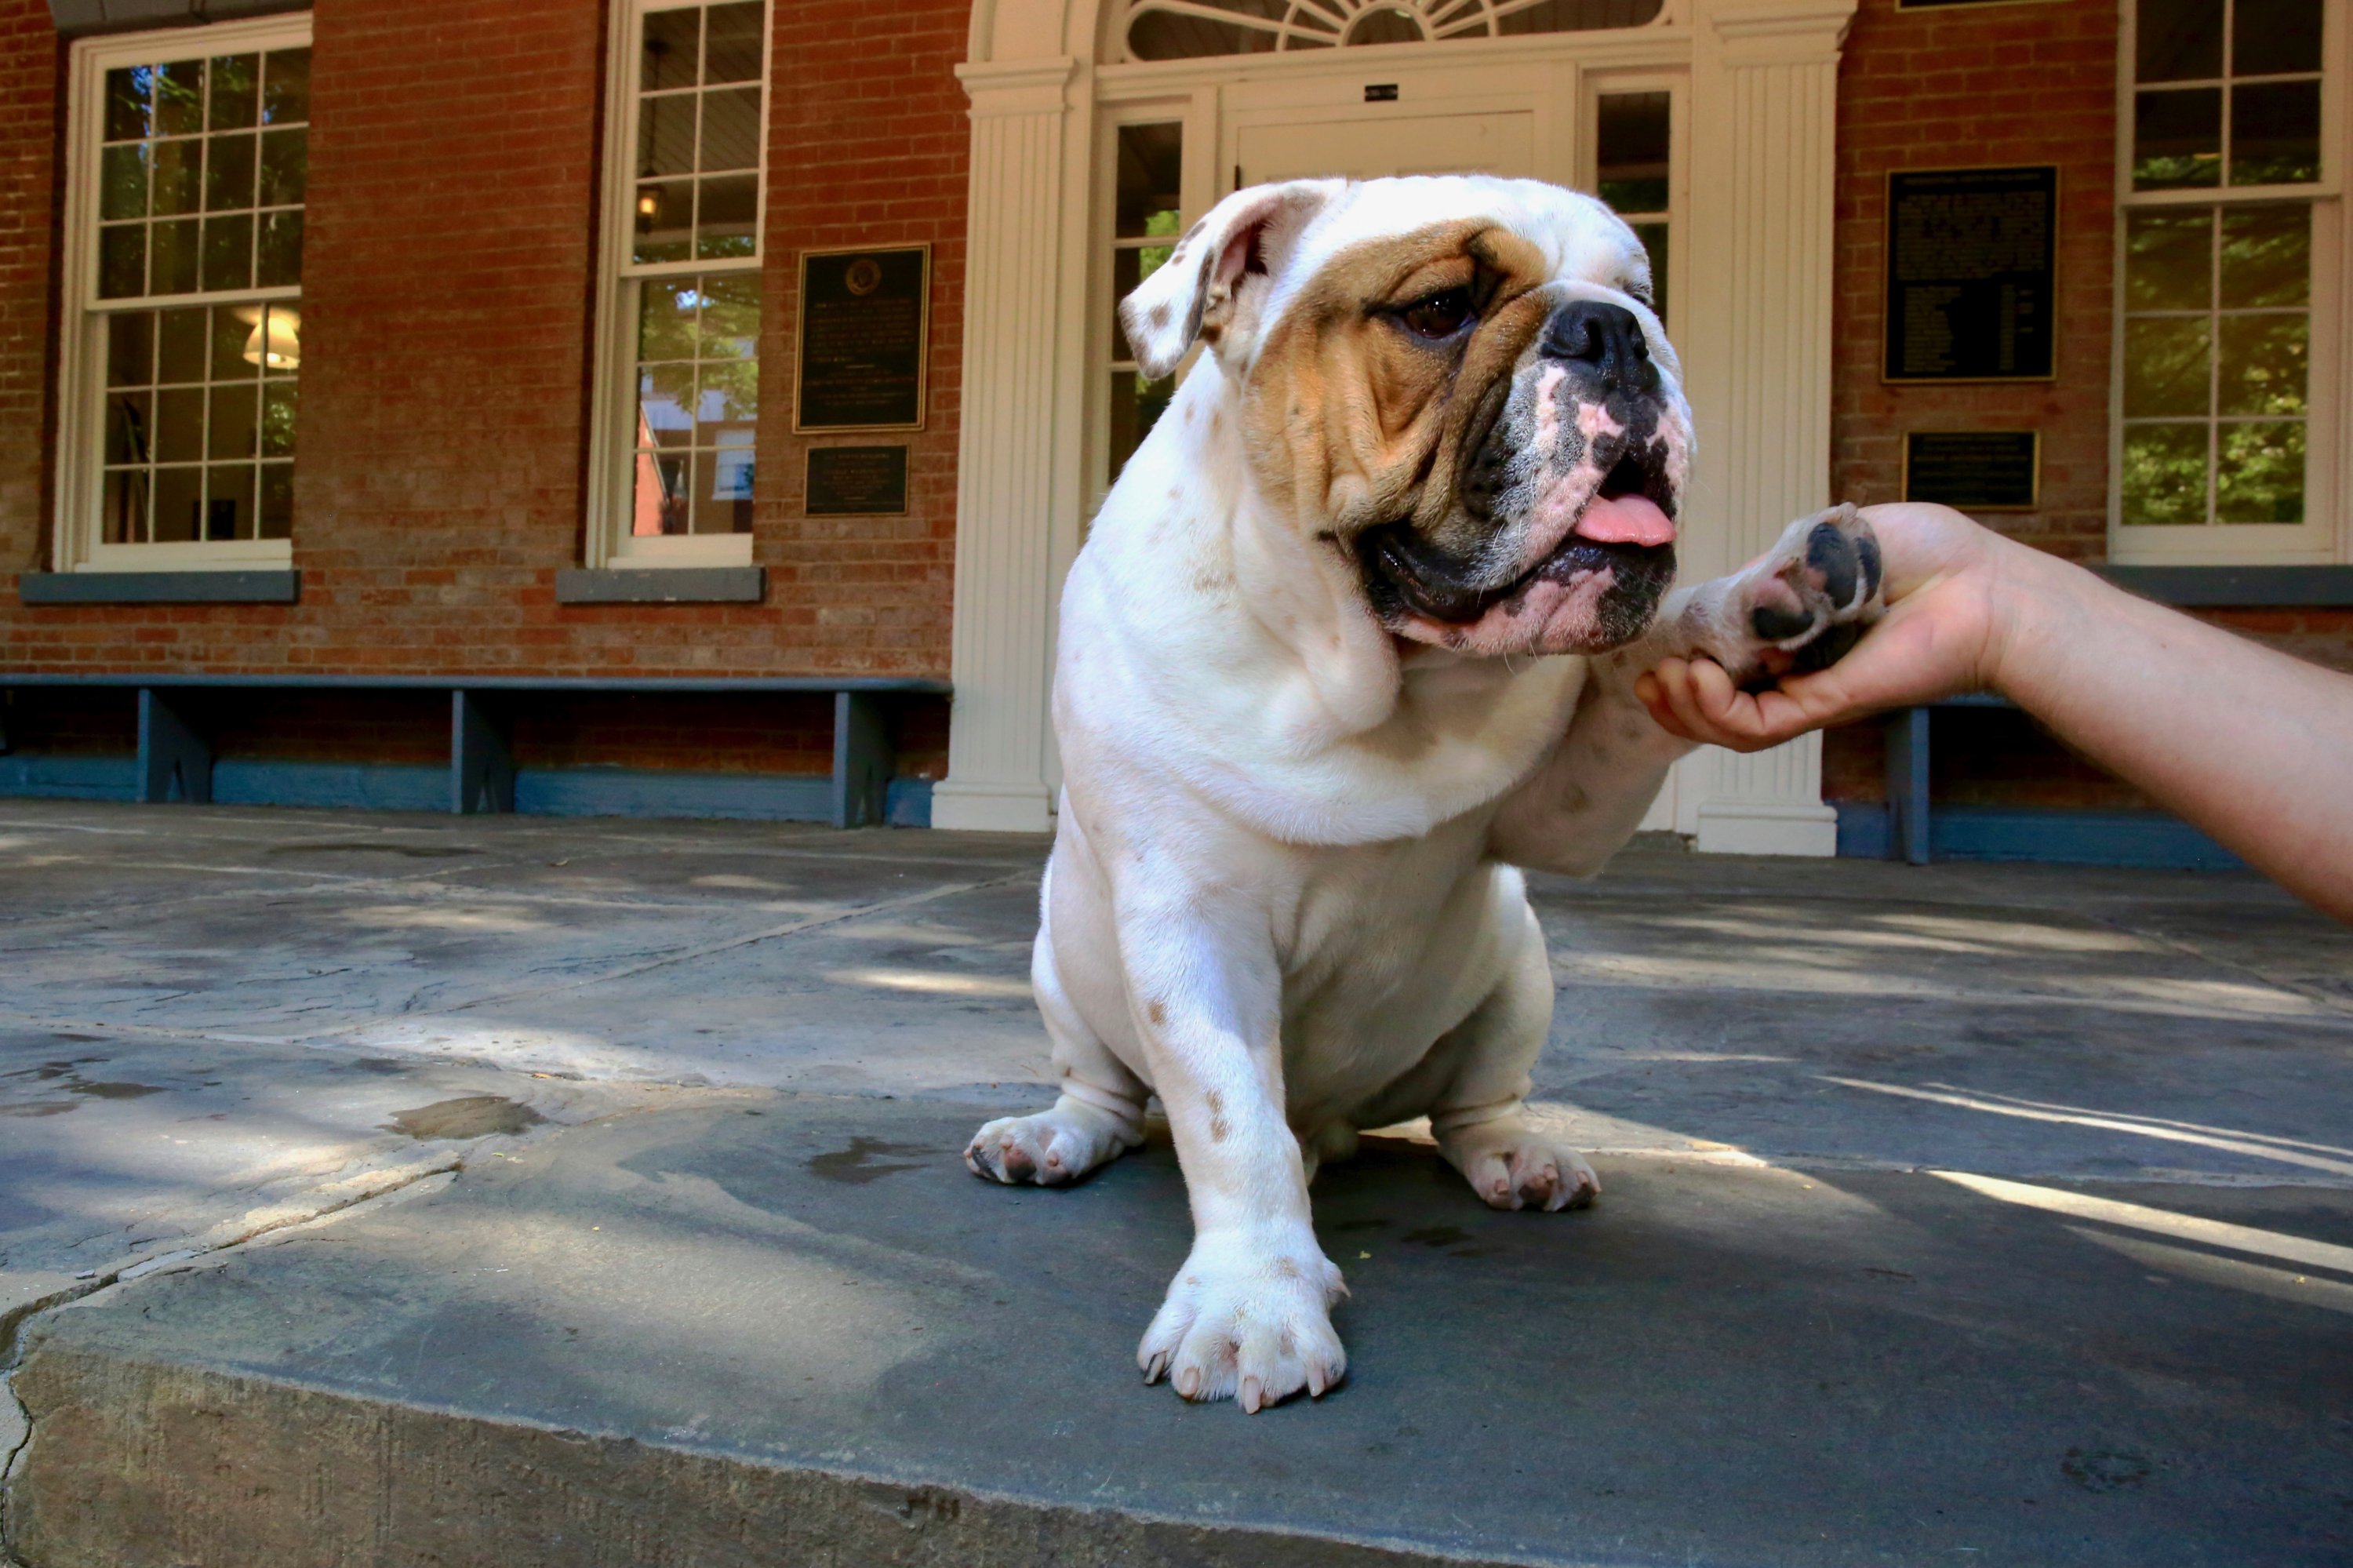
x,y
448,280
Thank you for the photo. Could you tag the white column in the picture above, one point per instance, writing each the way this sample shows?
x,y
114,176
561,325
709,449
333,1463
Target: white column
x,y
1763,128
1008,489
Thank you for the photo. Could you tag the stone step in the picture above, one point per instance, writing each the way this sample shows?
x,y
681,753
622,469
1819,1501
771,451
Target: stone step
x,y
792,1330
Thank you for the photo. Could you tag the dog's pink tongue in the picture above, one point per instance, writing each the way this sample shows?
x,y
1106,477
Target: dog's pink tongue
x,y
1625,520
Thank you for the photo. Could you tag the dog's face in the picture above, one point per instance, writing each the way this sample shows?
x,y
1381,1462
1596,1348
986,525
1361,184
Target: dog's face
x,y
1458,386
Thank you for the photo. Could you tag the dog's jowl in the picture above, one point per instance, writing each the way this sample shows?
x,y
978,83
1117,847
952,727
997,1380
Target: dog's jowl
x,y
1354,638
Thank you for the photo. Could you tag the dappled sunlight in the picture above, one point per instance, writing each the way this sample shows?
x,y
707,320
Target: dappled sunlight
x,y
2231,1272
2008,935
2157,1121
2275,1245
933,982
2232,1143
504,921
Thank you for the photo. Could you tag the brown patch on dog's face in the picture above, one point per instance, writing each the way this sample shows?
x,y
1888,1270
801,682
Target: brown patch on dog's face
x,y
1418,405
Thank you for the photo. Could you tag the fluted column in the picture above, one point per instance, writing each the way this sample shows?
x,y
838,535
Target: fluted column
x,y
1763,128
1014,413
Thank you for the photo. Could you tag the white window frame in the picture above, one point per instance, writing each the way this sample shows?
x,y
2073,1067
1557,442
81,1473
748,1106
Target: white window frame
x,y
612,432
2324,535
78,538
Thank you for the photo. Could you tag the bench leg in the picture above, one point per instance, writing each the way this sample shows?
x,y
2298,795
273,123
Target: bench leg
x,y
481,764
1907,785
172,753
861,759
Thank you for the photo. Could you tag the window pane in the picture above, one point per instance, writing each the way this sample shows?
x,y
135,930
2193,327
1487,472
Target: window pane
x,y
660,502
729,400
1631,146
2179,40
280,352
228,501
122,181
2276,133
179,98
731,316
2170,260
232,330
731,129
722,490
229,171
1136,405
278,407
665,402
665,221
285,166
2272,37
235,92
2177,138
669,47
2166,367
185,352
235,421
2263,364
130,418
180,424
1151,174
131,349
171,252
277,500
125,507
123,261
2261,478
666,134
179,168
280,260
666,319
126,104
2165,474
728,208
732,47
179,504
286,86
229,251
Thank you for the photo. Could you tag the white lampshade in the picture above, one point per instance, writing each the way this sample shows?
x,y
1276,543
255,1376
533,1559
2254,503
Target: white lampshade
x,y
275,341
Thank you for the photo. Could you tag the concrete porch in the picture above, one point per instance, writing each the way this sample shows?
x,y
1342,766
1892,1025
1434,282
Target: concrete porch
x,y
395,1189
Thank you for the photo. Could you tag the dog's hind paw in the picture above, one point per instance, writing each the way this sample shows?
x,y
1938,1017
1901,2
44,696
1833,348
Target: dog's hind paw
x,y
1051,1147
1248,1322
1512,1166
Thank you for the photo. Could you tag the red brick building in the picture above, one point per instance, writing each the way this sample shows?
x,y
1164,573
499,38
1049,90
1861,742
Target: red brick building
x,y
370,354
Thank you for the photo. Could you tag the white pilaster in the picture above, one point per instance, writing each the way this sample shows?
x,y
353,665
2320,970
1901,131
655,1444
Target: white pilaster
x,y
1008,491
1764,126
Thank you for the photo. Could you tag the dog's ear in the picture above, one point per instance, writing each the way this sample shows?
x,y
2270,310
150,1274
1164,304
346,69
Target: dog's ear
x,y
1213,274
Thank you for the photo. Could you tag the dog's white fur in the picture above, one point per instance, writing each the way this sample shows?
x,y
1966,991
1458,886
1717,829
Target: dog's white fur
x,y
1283,892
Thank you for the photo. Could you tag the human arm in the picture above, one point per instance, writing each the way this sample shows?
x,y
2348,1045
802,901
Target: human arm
x,y
2251,745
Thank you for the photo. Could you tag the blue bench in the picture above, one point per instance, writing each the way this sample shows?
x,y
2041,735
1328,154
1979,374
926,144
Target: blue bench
x,y
175,757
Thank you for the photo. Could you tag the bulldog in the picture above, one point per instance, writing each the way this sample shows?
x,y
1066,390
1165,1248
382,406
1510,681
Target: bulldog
x,y
1352,640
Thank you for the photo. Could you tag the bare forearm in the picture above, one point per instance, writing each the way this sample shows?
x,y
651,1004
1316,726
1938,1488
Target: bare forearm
x,y
2252,746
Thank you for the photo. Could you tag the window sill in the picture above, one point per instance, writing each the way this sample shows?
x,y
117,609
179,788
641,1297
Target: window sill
x,y
662,585
2237,588
283,587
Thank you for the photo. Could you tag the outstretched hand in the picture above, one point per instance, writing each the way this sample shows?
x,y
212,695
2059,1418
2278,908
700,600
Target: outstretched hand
x,y
1942,635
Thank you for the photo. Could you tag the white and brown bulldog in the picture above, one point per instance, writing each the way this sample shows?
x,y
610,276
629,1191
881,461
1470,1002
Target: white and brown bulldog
x,y
1354,638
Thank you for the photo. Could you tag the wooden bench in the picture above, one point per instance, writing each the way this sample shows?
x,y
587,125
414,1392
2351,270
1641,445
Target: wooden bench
x,y
175,757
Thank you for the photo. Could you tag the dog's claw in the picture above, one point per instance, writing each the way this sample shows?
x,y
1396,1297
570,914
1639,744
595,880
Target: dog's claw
x,y
1189,1382
1155,1368
1253,1393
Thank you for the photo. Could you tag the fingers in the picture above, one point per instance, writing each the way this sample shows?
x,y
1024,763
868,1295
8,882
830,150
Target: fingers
x,y
1695,699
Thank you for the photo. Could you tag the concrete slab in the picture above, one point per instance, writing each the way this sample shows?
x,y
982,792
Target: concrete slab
x,y
797,1331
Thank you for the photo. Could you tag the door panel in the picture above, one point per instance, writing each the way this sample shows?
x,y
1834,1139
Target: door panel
x,y
1503,143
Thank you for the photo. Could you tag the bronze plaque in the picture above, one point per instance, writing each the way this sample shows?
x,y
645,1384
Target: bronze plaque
x,y
861,359
1972,274
857,481
1974,471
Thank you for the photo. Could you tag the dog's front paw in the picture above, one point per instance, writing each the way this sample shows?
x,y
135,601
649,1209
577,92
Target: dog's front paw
x,y
1249,1321
1050,1148
1800,606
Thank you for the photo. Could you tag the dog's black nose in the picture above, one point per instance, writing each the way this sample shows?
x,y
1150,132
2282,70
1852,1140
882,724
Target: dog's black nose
x,y
1604,337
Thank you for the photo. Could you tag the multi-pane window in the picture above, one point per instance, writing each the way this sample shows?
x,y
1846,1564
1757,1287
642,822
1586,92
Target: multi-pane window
x,y
184,366
688,298
1146,220
2220,208
1632,132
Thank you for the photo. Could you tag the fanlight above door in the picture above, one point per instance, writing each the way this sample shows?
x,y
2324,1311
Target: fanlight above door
x,y
1197,29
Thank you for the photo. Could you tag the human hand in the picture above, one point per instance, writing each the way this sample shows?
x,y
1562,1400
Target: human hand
x,y
1947,589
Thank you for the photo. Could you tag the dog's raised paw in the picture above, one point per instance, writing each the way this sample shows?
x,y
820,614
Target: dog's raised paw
x,y
1802,605
1049,1147
1247,1324
1512,1166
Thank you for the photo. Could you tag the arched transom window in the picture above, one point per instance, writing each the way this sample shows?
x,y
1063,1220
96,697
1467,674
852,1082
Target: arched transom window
x,y
1195,29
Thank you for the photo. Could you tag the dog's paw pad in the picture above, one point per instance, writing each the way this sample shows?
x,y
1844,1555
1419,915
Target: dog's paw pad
x,y
1252,1328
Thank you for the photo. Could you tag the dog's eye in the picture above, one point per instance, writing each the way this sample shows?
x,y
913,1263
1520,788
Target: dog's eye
x,y
1441,315
1640,294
